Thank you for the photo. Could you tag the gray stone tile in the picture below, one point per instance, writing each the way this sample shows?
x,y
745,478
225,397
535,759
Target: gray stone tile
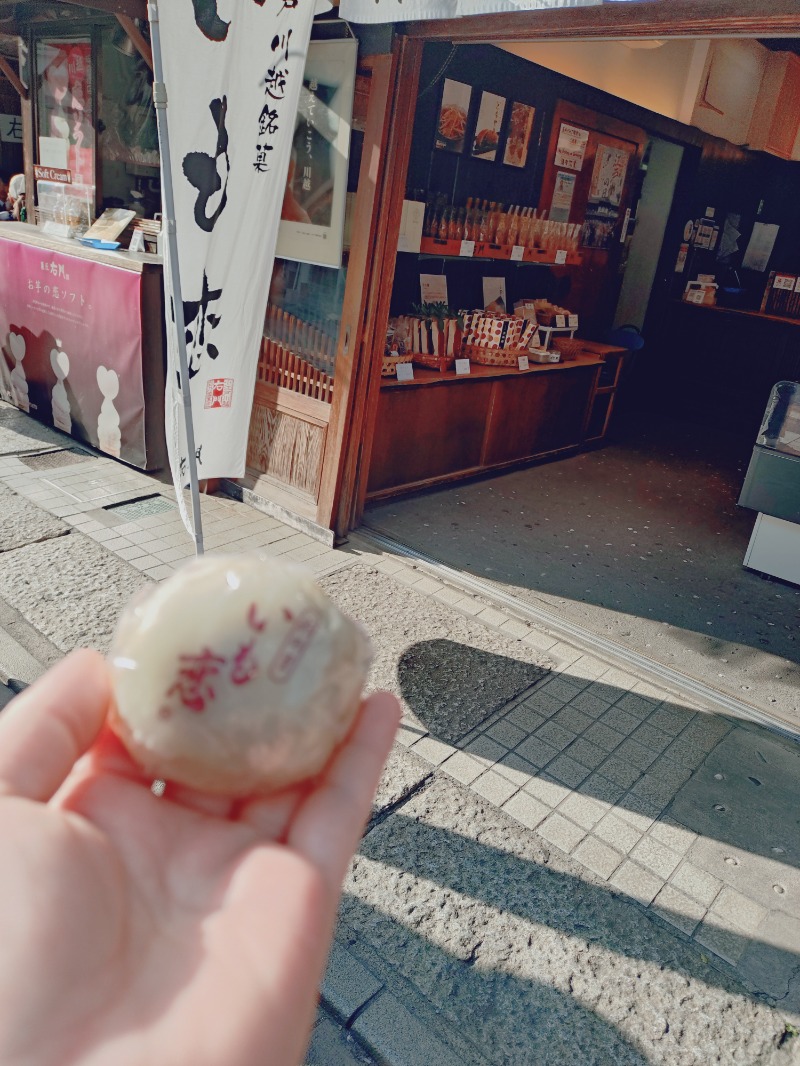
x,y
515,628
706,731
651,737
619,771
598,857
529,811
515,769
398,1037
433,751
686,752
563,689
490,616
486,750
547,790
494,787
618,719
159,573
727,943
590,704
636,882
561,832
769,961
536,751
636,705
555,735
655,857
635,754
696,883
638,811
538,640
604,736
542,704
601,788
670,719
506,733
732,908
525,718
678,909
462,768
676,837
613,830
654,790
572,719
583,810
347,985
567,770
585,753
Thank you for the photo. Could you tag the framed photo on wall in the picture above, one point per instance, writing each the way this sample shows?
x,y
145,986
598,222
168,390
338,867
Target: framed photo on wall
x,y
518,141
313,214
451,127
488,126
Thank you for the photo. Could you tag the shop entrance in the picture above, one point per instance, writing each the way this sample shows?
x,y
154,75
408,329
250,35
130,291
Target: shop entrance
x,y
640,540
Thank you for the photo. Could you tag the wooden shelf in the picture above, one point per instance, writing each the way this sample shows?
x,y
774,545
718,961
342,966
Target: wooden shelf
x,y
440,249
785,319
423,376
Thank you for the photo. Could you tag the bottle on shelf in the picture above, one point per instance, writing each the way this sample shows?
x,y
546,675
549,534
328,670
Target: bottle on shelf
x,y
444,224
501,233
513,226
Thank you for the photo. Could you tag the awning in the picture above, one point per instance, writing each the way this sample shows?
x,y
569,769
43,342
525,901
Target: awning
x,y
414,10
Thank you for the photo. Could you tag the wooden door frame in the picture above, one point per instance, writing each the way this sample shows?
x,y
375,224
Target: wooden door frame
x,y
670,19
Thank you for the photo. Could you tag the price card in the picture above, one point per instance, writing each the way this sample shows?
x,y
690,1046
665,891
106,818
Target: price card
x,y
523,362
536,341
405,372
572,321
561,257
783,281
462,366
517,253
561,321
467,248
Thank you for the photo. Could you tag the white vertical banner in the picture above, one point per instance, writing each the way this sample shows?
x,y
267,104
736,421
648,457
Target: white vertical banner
x,y
233,74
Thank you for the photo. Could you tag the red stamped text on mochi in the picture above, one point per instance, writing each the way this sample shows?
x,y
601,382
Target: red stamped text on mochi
x,y
294,646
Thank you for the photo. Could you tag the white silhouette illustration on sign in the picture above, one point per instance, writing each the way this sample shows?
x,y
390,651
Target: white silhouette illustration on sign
x,y
19,383
61,411
108,433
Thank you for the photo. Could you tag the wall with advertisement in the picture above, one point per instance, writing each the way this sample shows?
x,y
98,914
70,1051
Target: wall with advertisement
x,y
71,347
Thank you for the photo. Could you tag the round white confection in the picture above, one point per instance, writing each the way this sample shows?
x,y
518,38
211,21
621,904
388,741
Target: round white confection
x,y
236,676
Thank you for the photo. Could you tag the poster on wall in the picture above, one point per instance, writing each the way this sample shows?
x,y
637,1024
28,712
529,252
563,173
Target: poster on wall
x,y
563,192
65,104
70,347
571,147
313,212
494,295
451,129
520,128
605,196
488,126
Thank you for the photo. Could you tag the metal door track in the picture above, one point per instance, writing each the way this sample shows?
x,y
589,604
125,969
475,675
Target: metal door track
x,y
574,633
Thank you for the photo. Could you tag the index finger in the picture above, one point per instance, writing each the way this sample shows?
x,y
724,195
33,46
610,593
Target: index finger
x,y
46,729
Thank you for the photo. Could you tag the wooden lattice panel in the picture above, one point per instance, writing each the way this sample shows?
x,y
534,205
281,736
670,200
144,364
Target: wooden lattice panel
x,y
286,448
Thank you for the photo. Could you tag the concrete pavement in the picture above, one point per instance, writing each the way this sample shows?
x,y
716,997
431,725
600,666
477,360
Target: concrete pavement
x,y
566,863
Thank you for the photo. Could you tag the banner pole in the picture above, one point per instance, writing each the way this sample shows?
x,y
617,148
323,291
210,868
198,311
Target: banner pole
x,y
168,224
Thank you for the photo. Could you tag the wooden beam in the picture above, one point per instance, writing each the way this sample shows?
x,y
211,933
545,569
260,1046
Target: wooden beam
x,y
8,70
670,18
141,45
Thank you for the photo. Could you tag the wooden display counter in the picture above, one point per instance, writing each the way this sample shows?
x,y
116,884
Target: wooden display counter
x,y
440,427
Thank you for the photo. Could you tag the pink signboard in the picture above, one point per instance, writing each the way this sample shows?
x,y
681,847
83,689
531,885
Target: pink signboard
x,y
71,346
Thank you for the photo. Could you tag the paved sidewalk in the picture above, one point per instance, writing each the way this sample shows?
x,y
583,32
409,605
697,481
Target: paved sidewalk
x,y
556,842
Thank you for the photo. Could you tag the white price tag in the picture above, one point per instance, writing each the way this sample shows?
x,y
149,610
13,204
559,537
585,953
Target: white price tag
x,y
462,366
782,281
573,322
405,372
523,362
517,253
467,248
561,256
561,321
536,342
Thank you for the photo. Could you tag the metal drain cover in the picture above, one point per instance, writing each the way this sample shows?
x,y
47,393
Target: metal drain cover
x,y
143,508
51,460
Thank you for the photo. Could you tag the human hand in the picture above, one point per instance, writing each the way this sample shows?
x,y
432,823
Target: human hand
x,y
183,930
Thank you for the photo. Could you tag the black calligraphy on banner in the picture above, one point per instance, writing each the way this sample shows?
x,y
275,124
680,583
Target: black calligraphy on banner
x,y
200,322
206,17
203,170
275,83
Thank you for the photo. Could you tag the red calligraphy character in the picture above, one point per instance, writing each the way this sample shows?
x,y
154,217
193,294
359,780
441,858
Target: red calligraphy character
x,y
193,686
256,623
245,664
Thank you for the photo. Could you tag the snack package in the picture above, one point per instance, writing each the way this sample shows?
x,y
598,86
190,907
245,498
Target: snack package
x,y
236,676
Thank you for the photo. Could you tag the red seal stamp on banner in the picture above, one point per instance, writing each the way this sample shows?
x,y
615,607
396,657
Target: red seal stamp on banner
x,y
219,393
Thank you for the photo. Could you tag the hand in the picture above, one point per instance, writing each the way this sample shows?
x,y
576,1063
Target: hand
x,y
183,930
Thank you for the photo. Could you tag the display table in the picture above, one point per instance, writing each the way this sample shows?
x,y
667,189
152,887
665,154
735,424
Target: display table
x,y
82,341
441,427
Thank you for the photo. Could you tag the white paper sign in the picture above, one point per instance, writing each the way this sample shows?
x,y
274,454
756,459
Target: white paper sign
x,y
759,248
462,366
53,152
517,253
523,362
561,321
411,222
783,281
405,371
467,248
433,288
494,295
561,257
571,147
233,87
137,241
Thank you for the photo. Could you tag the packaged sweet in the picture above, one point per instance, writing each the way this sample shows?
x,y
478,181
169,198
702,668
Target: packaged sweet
x,y
236,676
